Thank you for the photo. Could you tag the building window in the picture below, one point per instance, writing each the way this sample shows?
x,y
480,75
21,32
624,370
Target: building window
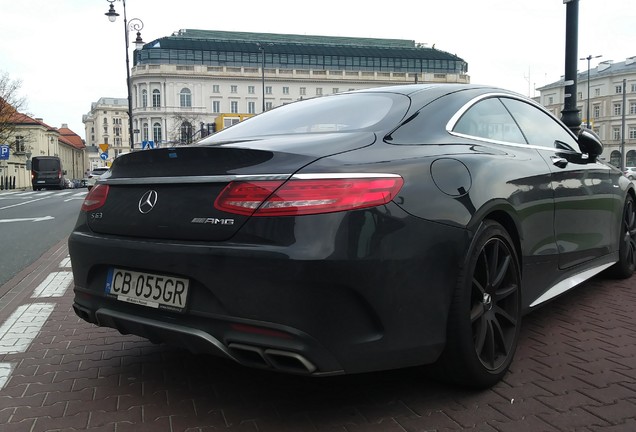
x,y
319,91
185,98
156,132
617,109
216,89
633,88
268,90
234,89
303,91
251,89
597,92
632,107
268,106
105,140
616,133
579,95
105,130
117,130
251,108
19,144
156,98
117,142
597,111
335,90
234,107
632,132
144,98
216,106
186,133
550,100
144,132
619,89
105,121
285,90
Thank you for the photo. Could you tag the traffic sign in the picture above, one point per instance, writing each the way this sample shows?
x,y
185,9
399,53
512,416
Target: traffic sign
x,y
104,148
4,152
103,156
147,145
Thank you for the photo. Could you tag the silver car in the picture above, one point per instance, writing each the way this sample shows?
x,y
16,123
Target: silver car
x,y
94,175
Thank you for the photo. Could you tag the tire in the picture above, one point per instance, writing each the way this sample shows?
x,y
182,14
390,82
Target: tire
x,y
626,264
485,315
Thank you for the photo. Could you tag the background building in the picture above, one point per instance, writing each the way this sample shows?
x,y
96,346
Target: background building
x,y
608,117
106,123
185,84
32,137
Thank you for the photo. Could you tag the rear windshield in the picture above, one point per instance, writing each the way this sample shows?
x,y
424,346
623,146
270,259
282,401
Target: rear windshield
x,y
338,113
46,164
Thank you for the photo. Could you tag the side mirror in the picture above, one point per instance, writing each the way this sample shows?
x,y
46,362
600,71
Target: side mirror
x,y
590,143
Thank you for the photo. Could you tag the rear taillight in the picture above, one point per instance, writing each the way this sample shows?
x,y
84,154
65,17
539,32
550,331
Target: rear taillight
x,y
59,174
306,196
95,198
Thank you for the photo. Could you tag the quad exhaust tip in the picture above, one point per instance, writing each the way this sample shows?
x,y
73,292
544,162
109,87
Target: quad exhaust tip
x,y
285,361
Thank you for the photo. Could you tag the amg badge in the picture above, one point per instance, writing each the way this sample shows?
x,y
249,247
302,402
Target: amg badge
x,y
212,221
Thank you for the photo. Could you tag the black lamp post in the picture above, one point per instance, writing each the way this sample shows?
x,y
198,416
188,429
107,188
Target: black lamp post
x,y
261,48
570,113
137,25
588,58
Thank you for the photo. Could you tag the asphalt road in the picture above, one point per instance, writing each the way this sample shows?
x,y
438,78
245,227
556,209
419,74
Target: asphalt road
x,y
31,222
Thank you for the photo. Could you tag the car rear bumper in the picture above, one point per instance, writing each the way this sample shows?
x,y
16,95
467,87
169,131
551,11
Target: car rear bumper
x,y
300,308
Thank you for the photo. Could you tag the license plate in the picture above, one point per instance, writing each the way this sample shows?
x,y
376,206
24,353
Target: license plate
x,y
40,181
148,289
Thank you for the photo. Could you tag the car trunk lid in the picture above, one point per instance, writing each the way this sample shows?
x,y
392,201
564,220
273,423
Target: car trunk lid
x,y
170,193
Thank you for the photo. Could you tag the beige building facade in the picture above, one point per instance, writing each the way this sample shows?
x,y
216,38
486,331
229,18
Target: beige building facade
x,y
612,106
182,83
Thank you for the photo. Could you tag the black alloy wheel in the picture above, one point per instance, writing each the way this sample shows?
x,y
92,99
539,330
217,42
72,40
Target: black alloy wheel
x,y
485,316
494,312
626,264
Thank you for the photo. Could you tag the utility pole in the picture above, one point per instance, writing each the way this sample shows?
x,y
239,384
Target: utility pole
x,y
570,114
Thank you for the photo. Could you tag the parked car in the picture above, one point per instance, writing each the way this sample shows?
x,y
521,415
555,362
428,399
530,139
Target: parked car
x,y
630,172
68,183
355,232
94,175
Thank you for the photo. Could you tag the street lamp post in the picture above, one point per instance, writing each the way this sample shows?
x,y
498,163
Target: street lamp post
x,y
588,58
137,25
261,48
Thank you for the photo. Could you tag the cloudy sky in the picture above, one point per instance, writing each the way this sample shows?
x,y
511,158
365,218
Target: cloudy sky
x,y
67,54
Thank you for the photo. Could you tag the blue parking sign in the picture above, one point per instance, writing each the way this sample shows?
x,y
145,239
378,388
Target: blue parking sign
x,y
4,152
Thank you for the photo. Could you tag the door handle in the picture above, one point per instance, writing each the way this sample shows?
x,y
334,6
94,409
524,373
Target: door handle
x,y
559,161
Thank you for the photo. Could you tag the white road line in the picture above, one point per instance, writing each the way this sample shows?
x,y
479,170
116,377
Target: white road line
x,y
23,203
5,373
54,285
66,262
24,324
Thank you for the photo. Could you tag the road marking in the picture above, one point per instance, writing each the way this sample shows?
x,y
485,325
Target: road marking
x,y
54,285
24,324
66,262
5,373
37,219
23,203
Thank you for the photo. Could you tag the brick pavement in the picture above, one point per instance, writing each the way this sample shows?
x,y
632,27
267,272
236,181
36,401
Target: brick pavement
x,y
575,370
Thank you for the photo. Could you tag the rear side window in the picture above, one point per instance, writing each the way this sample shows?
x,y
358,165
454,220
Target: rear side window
x,y
490,120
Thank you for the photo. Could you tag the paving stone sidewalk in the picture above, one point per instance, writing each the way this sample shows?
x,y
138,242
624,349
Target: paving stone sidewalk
x,y
575,370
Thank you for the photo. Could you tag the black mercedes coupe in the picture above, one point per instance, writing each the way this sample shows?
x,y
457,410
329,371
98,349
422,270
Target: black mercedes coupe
x,y
362,231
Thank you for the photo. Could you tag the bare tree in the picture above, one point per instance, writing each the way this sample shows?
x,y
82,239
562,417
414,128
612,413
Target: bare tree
x,y
11,104
181,133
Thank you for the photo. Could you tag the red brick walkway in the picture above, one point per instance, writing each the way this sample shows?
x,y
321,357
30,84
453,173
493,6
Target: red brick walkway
x,y
575,370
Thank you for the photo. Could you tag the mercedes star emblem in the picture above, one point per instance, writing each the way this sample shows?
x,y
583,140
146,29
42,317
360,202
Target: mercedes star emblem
x,y
147,201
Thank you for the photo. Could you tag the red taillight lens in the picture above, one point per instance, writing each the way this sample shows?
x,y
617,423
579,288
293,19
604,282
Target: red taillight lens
x,y
95,198
307,196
